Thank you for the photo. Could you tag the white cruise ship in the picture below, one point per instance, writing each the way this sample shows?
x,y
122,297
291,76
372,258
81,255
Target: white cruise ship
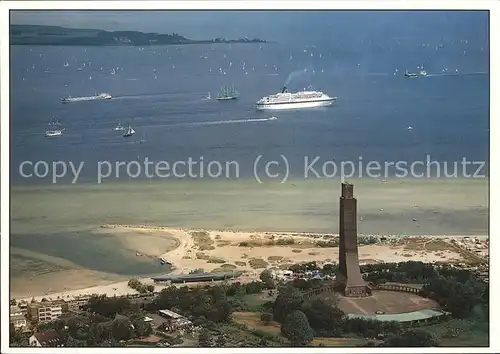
x,y
101,96
301,99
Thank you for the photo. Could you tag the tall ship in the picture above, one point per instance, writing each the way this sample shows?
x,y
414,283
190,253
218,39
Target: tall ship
x,y
301,99
130,131
100,96
227,93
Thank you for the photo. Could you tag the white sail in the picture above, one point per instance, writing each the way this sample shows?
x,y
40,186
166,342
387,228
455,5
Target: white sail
x,y
130,132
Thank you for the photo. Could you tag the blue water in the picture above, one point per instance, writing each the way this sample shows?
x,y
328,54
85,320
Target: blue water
x,y
448,110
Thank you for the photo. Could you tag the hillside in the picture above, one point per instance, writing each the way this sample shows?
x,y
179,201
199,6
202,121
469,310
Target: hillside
x,y
54,35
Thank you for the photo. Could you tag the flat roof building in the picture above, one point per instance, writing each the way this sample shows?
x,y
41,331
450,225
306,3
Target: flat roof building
x,y
412,318
45,311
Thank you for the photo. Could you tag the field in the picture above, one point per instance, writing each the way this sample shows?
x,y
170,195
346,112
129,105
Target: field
x,y
461,333
390,302
252,321
239,338
255,301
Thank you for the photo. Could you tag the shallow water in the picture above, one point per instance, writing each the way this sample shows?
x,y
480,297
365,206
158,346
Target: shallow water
x,y
61,220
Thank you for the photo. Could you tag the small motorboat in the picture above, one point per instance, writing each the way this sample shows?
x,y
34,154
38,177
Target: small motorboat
x,y
410,75
53,133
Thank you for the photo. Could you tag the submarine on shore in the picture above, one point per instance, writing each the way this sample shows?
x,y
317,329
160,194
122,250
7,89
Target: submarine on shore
x,y
163,261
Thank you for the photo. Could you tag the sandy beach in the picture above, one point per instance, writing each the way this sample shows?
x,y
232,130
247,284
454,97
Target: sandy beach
x,y
68,240
244,251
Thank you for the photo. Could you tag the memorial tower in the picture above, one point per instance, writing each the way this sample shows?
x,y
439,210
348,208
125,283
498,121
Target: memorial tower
x,y
349,279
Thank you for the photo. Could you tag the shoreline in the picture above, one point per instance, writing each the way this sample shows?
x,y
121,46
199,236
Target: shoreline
x,y
331,185
138,45
222,249
59,238
290,233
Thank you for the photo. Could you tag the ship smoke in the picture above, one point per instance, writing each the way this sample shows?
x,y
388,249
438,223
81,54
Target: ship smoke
x,y
297,74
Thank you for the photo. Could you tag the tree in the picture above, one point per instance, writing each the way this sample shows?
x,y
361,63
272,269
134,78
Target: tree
x,y
75,325
267,278
141,328
266,318
151,288
254,287
221,312
204,339
412,338
16,336
108,306
122,329
330,269
75,343
456,295
323,317
289,299
220,341
486,294
240,292
263,342
137,285
100,333
296,329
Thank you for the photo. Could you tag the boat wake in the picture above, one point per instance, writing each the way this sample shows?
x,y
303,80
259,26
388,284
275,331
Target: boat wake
x,y
144,96
456,74
220,122
101,96
192,124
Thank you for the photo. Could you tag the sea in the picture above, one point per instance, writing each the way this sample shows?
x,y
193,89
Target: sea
x,y
161,91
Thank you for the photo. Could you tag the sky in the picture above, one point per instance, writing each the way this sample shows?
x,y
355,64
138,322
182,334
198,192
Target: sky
x,y
270,25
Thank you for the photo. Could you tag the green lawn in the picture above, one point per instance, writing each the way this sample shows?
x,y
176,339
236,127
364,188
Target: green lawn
x,y
461,333
255,301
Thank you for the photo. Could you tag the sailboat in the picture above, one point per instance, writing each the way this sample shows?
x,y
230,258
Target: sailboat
x,y
119,128
130,131
227,93
66,64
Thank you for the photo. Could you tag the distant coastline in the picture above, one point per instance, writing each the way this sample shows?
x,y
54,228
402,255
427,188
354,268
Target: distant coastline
x,y
55,35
